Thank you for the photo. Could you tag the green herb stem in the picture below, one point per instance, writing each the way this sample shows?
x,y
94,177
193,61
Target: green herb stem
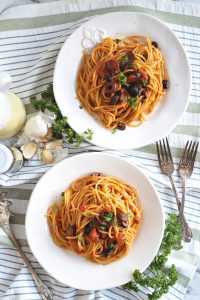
x,y
158,276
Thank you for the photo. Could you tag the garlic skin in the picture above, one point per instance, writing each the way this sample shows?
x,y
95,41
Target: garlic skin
x,y
36,127
53,144
29,150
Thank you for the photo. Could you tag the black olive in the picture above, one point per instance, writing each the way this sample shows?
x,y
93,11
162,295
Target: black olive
x,y
132,70
121,126
123,65
154,44
107,251
133,90
130,56
124,223
165,84
87,229
114,99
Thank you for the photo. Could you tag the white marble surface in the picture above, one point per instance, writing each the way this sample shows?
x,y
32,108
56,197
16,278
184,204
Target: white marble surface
x,y
193,292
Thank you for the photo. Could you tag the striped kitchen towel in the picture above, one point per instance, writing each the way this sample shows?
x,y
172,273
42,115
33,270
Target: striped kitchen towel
x,y
30,39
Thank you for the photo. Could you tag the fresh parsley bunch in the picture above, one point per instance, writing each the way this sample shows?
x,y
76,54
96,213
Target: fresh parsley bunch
x,y
60,126
158,276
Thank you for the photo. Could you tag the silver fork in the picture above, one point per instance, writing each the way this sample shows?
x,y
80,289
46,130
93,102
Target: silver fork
x,y
167,167
186,166
5,214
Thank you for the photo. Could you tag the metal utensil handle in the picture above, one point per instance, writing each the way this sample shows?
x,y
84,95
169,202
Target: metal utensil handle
x,y
187,232
45,293
183,199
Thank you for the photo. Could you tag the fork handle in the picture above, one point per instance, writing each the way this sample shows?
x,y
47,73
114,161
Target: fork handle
x,y
183,199
187,232
45,293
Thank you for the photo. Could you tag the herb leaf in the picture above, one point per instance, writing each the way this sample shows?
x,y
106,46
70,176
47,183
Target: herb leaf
x,y
133,102
116,223
60,127
86,212
103,227
80,238
114,130
88,134
122,78
144,82
124,58
117,41
108,216
158,276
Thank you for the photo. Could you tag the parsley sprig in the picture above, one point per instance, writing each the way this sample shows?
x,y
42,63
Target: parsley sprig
x,y
157,276
60,127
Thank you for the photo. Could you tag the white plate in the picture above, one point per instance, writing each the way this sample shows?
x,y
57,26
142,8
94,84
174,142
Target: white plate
x,y
167,112
65,265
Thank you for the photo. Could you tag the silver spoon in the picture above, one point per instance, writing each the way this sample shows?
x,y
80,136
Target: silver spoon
x,y
5,214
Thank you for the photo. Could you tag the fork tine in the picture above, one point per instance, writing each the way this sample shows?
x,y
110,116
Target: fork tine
x,y
194,154
161,151
184,153
158,152
165,150
190,156
188,151
169,151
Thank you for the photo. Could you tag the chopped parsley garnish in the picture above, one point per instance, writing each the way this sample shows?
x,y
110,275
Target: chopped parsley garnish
x,y
117,41
116,223
144,82
133,102
112,246
122,78
60,127
114,130
86,213
103,227
108,216
130,214
159,276
80,238
124,58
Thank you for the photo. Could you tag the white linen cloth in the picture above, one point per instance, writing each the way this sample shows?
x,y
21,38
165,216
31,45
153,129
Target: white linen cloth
x,y
30,39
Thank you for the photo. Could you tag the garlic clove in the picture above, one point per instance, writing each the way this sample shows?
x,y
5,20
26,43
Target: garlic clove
x,y
29,150
47,156
53,144
53,155
46,138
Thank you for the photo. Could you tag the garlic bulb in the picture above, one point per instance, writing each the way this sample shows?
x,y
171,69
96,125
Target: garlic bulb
x,y
36,127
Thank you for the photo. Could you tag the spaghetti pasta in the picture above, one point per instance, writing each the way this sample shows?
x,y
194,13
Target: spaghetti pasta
x,y
121,81
98,217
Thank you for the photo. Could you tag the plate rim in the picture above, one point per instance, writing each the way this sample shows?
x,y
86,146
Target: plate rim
x,y
159,136
109,155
